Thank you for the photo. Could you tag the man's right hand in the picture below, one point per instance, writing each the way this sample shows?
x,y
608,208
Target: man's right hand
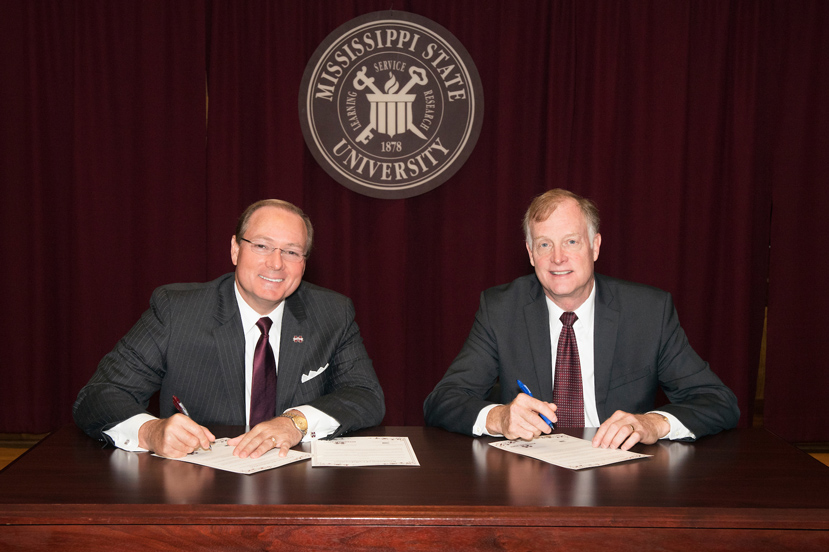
x,y
174,437
520,419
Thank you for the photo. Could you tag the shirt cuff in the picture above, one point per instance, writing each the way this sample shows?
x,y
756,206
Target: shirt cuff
x,y
480,422
125,434
678,430
320,424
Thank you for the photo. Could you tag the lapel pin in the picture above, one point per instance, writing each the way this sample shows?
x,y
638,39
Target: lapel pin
x,y
297,339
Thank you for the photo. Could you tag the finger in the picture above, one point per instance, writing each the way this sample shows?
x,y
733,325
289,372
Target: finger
x,y
181,438
174,447
529,425
531,409
283,450
599,436
247,448
634,438
608,431
206,438
242,445
521,424
264,446
623,434
547,410
518,428
189,432
197,436
537,424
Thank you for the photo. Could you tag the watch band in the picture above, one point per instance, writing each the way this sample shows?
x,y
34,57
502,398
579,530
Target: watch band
x,y
293,421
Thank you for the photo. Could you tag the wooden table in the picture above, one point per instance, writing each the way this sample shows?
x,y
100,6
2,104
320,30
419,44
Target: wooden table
x,y
743,489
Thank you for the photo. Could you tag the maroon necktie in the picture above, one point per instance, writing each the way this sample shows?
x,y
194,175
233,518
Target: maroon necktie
x,y
263,391
567,390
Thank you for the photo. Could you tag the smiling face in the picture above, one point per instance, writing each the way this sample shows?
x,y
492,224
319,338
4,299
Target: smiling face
x,y
563,255
264,281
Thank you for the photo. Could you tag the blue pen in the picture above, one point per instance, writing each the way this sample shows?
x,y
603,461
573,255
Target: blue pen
x,y
526,390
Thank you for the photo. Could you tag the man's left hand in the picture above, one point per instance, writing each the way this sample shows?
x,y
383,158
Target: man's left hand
x,y
623,430
278,433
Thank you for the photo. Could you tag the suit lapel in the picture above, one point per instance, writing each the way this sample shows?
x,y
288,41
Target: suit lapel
x,y
537,319
606,327
230,345
292,346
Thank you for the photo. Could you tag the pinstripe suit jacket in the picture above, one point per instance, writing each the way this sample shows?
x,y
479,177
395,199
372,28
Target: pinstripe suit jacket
x,y
190,344
638,347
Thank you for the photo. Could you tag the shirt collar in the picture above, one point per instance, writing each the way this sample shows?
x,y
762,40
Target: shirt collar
x,y
249,316
584,312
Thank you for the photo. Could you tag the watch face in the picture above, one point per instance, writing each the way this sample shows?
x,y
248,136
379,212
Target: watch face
x,y
299,421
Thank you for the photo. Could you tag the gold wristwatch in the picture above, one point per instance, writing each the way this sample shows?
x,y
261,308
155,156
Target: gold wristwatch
x,y
299,422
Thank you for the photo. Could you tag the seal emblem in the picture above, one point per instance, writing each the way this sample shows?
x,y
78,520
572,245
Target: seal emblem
x,y
391,105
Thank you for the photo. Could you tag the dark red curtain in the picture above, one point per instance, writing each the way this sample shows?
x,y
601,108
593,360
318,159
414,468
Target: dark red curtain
x,y
102,180
794,117
671,115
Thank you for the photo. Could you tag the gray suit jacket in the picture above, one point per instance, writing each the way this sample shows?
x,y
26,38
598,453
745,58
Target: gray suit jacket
x,y
190,344
639,346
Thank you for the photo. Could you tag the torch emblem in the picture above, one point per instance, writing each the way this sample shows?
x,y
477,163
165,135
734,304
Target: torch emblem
x,y
391,111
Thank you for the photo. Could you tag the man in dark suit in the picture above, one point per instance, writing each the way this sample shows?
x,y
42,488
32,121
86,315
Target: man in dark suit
x,y
205,345
628,337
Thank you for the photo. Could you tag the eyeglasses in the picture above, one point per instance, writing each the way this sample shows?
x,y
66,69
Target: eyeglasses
x,y
290,255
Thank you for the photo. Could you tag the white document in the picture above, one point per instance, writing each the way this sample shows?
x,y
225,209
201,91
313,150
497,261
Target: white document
x,y
567,451
221,458
363,451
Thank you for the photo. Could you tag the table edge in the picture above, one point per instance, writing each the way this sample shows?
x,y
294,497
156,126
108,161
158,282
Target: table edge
x,y
308,515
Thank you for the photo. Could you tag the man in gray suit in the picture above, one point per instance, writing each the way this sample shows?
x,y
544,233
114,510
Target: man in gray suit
x,y
200,343
629,343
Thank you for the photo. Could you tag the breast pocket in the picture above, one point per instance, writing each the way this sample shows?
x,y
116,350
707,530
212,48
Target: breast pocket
x,y
312,382
628,376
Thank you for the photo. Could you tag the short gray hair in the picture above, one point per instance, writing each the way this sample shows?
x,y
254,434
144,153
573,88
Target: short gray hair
x,y
543,206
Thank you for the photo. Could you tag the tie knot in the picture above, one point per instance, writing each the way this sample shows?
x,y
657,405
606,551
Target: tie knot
x,y
568,318
264,324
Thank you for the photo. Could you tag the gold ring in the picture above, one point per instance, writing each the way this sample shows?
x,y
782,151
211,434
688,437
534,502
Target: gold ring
x,y
273,440
632,429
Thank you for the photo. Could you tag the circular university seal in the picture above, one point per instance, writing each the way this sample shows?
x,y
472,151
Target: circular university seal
x,y
391,105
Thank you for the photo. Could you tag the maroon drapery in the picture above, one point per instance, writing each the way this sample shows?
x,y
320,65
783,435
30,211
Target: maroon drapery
x,y
682,120
102,130
794,116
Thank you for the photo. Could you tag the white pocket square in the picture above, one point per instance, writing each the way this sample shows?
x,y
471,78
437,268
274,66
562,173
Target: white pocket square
x,y
313,373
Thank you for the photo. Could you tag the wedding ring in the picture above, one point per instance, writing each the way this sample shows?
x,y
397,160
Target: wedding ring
x,y
632,429
273,440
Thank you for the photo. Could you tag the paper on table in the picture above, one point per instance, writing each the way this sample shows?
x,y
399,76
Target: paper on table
x,y
363,451
567,451
221,458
